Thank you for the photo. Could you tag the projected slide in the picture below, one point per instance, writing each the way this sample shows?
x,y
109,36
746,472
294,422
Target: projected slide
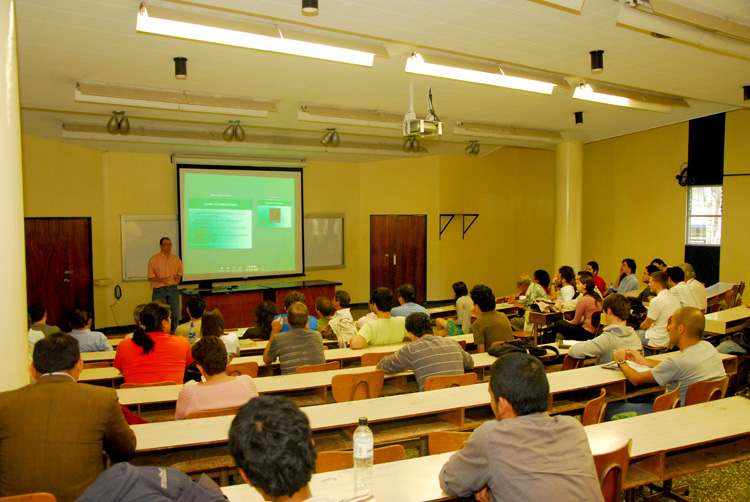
x,y
238,223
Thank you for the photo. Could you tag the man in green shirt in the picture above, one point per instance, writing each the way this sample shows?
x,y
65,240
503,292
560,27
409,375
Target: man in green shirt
x,y
384,330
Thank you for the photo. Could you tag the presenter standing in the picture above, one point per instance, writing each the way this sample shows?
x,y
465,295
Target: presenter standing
x,y
165,272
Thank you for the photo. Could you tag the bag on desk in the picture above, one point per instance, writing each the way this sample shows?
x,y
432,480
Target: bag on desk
x,y
521,346
545,305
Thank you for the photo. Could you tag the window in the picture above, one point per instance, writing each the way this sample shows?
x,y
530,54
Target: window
x,y
704,215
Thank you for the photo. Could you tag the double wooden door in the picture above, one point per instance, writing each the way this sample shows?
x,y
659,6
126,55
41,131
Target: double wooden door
x,y
59,265
398,252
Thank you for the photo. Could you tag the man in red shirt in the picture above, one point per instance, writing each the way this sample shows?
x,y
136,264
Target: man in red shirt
x,y
593,268
165,272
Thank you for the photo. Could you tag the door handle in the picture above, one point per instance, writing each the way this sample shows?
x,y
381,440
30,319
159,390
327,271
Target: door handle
x,y
394,259
68,272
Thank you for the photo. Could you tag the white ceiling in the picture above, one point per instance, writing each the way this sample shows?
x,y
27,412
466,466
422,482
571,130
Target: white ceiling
x,y
63,41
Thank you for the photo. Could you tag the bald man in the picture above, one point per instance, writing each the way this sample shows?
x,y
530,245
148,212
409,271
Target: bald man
x,y
697,361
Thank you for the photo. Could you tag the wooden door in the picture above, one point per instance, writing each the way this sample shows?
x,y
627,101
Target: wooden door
x,y
59,265
398,252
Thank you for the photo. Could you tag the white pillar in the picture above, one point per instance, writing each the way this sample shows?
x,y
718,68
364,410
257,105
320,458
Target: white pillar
x,y
14,356
568,186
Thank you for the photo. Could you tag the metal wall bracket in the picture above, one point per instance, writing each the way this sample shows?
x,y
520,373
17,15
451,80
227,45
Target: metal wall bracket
x,y
450,217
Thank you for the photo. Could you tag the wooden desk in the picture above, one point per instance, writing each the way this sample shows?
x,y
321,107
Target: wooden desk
x,y
665,445
715,293
543,318
726,321
450,310
106,355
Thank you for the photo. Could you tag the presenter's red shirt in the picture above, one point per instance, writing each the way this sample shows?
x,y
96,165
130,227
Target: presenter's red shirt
x,y
165,363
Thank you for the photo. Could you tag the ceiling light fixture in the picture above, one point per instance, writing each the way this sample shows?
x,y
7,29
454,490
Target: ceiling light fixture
x,y
579,117
349,116
480,73
331,137
505,132
234,131
257,36
597,61
411,145
610,95
473,148
118,123
310,7
180,68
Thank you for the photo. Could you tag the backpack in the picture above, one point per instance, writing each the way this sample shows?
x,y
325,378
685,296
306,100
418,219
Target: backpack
x,y
521,346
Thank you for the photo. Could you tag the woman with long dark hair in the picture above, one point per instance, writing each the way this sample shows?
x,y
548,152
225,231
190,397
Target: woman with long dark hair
x,y
580,328
153,355
213,325
461,324
264,315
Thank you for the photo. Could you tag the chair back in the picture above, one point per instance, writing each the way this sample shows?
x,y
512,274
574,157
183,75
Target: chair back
x,y
30,497
373,358
250,369
337,460
312,368
668,400
213,413
97,364
596,322
356,386
612,469
571,363
132,385
732,295
445,381
703,392
595,409
446,441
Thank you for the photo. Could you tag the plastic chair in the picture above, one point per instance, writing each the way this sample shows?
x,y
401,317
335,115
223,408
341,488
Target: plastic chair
x,y
595,410
30,497
373,358
703,392
213,413
356,386
612,469
312,368
446,381
446,441
218,468
571,363
337,460
668,400
250,369
596,322
132,385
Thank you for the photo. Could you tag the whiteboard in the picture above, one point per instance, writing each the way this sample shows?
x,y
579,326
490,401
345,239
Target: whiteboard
x,y
140,241
324,241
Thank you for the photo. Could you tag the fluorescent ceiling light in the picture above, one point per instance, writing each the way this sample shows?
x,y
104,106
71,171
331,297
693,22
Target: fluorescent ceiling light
x,y
569,5
183,24
673,10
233,160
629,99
350,116
169,99
475,129
480,73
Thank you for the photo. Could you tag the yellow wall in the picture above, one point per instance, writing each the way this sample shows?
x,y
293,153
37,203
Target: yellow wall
x,y
735,245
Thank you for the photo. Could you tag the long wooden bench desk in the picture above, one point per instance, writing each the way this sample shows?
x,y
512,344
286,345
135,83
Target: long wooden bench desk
x,y
665,445
450,310
727,321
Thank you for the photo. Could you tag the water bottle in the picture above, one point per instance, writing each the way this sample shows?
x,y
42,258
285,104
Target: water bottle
x,y
611,287
191,333
363,441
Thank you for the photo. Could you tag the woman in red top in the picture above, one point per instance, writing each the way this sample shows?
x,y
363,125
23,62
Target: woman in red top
x,y
153,355
581,328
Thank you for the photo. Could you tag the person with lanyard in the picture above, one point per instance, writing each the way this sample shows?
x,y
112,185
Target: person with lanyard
x,y
164,273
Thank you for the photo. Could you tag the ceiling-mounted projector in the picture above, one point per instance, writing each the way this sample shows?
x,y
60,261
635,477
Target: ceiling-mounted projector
x,y
429,126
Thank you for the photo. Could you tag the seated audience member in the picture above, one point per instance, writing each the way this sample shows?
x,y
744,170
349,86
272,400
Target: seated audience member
x,y
739,343
89,341
406,294
653,330
647,295
218,390
324,309
680,290
265,313
342,323
659,263
271,442
525,454
542,278
291,297
213,325
32,337
461,324
196,305
583,276
54,431
699,290
697,361
592,267
616,335
428,354
627,280
370,316
491,326
297,347
384,330
153,355
567,278
580,327
531,291
38,315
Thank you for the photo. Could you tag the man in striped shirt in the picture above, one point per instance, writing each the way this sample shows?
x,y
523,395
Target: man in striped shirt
x,y
295,348
428,354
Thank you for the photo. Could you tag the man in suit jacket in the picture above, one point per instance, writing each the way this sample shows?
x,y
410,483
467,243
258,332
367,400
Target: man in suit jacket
x,y
53,432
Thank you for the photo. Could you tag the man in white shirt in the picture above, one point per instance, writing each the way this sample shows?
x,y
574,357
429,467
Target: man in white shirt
x,y
653,330
342,323
699,289
678,288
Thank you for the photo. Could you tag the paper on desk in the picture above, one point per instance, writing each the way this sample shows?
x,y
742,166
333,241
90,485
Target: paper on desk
x,y
637,367
568,343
